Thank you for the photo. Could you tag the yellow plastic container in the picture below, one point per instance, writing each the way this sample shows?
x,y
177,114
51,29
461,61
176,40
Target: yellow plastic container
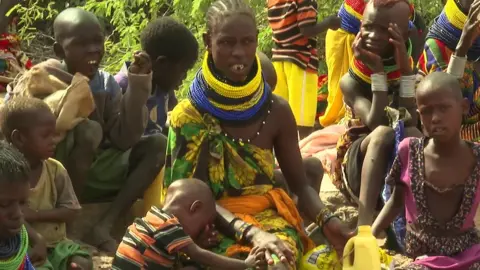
x,y
365,249
153,195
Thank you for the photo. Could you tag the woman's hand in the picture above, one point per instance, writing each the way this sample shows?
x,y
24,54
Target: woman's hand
x,y
470,31
208,238
272,246
402,59
371,59
337,234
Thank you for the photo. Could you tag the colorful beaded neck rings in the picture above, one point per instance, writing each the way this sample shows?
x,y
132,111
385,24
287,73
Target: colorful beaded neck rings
x,y
209,94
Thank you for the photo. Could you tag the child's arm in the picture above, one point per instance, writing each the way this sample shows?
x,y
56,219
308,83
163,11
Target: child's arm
x,y
212,260
307,20
38,247
67,205
390,211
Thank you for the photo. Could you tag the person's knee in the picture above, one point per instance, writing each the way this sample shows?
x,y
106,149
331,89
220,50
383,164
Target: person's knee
x,y
151,149
383,138
88,134
313,166
79,262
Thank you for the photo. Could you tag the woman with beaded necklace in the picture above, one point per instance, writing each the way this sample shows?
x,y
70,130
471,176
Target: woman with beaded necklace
x,y
225,134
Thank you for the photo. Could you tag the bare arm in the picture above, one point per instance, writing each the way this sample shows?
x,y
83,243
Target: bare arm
x,y
390,211
208,258
315,30
54,215
371,113
290,161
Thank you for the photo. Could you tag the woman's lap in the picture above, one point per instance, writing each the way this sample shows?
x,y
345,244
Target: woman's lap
x,y
269,221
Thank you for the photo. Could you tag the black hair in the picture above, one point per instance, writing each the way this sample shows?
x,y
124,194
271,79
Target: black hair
x,y
13,165
167,37
20,113
224,8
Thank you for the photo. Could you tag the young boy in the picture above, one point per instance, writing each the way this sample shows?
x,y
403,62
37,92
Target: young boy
x,y
14,188
105,156
155,241
436,182
29,125
365,149
294,25
173,50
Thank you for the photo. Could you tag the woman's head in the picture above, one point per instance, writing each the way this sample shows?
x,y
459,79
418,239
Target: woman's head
x,y
14,189
231,38
377,17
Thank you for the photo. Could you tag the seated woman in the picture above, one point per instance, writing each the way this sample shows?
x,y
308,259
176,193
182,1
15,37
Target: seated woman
x,y
454,36
380,78
225,134
339,54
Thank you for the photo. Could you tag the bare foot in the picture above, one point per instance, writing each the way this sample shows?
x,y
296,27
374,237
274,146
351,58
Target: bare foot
x,y
101,239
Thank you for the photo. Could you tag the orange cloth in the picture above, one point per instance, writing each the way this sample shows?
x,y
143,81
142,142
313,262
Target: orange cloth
x,y
246,206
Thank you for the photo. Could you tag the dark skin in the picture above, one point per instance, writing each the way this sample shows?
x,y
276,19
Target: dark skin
x,y
6,6
79,41
191,201
234,41
36,143
449,160
383,34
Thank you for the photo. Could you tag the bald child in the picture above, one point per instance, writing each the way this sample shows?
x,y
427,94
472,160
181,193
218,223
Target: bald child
x,y
106,156
155,241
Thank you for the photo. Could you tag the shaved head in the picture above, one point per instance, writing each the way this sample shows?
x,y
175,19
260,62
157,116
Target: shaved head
x,y
440,82
67,21
189,190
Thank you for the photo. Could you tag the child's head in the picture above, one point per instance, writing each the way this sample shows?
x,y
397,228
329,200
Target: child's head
x,y
79,41
173,50
441,106
14,189
377,17
192,202
231,38
29,124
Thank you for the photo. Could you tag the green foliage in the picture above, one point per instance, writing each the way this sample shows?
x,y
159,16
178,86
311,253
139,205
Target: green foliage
x,y
124,20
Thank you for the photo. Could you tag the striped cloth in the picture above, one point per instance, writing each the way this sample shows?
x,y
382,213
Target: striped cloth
x,y
152,242
285,18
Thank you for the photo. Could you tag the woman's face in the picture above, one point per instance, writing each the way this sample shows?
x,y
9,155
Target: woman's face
x,y
232,44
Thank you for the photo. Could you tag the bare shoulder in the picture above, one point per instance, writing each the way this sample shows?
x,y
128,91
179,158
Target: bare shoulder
x,y
282,113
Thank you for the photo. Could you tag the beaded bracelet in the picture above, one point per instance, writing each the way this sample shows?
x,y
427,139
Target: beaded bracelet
x,y
323,217
240,234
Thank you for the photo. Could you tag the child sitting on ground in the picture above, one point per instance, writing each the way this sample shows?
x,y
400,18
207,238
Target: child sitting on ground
x,y
14,186
155,241
436,180
29,125
106,156
173,50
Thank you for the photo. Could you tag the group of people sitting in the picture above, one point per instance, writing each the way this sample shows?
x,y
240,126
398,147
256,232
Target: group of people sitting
x,y
407,154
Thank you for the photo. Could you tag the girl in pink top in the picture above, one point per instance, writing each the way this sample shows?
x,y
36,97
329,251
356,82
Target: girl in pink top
x,y
436,182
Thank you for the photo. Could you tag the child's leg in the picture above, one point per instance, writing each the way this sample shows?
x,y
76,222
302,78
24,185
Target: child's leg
x,y
80,263
146,160
78,158
377,149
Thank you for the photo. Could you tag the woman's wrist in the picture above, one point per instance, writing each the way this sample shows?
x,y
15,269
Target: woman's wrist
x,y
456,66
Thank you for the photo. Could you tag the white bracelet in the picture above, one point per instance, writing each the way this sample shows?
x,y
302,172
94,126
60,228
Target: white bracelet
x,y
456,66
407,86
379,82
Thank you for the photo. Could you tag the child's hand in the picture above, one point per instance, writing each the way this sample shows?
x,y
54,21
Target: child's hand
x,y
38,252
141,63
256,258
369,58
334,22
